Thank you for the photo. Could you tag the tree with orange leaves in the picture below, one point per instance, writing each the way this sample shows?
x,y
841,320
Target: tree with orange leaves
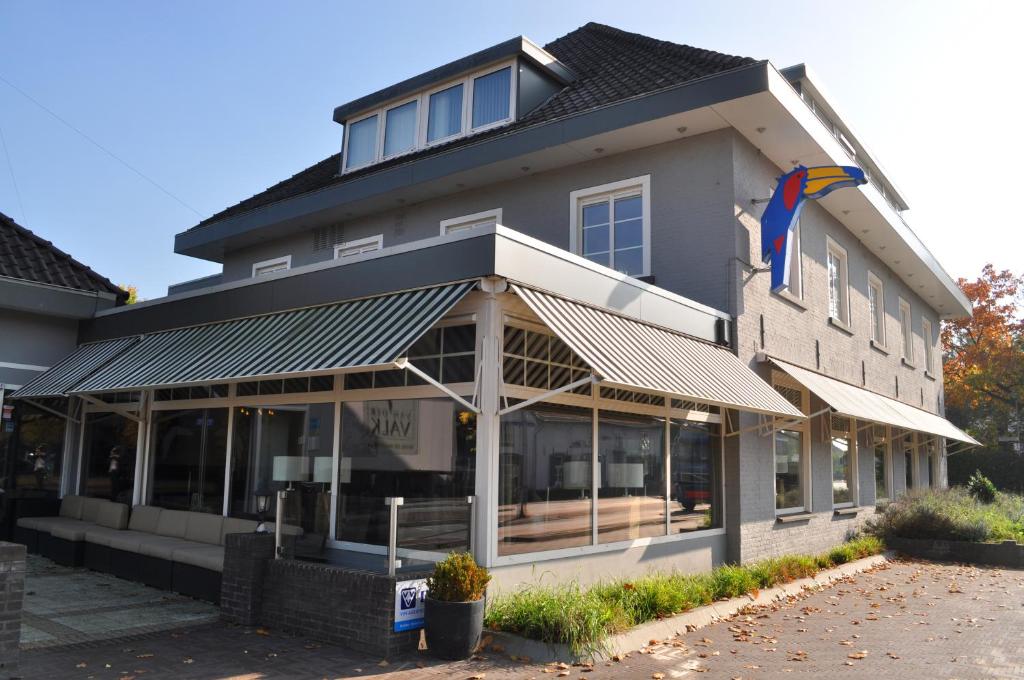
x,y
984,357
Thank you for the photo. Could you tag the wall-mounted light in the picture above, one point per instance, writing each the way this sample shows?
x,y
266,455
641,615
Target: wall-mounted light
x,y
262,505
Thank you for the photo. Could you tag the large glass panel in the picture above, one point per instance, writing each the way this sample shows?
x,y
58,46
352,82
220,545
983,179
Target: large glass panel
x,y
788,456
881,473
36,450
419,449
491,96
908,458
545,478
842,470
631,496
108,465
696,482
597,233
362,142
444,114
629,235
400,129
189,449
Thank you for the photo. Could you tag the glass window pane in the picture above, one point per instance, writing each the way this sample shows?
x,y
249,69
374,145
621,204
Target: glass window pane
x,y
36,452
491,97
881,474
400,129
842,470
596,240
362,143
189,450
108,448
630,261
545,479
909,463
628,208
515,339
595,214
414,448
428,345
696,486
603,259
459,339
458,369
788,456
444,116
631,495
629,234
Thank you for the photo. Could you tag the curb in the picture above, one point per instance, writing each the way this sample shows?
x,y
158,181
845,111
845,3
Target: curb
x,y
639,637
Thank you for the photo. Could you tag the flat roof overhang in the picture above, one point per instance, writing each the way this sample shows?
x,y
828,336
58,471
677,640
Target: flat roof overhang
x,y
47,300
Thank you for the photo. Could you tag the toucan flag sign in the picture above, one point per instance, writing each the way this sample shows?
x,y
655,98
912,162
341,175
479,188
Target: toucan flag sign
x,y
783,211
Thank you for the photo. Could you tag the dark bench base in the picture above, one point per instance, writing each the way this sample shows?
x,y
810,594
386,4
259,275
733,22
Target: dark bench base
x,y
28,538
97,557
202,584
61,551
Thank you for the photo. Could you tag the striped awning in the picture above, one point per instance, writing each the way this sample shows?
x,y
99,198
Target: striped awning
x,y
862,404
355,335
631,353
58,380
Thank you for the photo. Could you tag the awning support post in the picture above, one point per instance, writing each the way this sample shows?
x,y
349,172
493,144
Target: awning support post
x,y
547,395
783,425
120,410
404,364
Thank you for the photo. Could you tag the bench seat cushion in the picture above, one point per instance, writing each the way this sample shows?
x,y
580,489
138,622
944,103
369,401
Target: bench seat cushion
x,y
203,527
206,556
71,507
144,518
102,535
163,547
112,515
47,524
127,541
70,532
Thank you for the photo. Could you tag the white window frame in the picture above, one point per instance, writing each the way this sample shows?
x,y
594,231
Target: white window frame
x,y
359,245
833,249
926,334
877,319
804,428
906,332
286,260
467,81
851,437
456,224
609,192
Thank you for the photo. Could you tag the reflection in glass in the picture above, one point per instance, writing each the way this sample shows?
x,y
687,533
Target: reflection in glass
x,y
545,479
108,465
362,142
842,480
189,450
696,481
36,449
444,113
418,449
881,473
631,495
491,97
788,455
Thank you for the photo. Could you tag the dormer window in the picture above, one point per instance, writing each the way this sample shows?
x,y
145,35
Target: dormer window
x,y
473,103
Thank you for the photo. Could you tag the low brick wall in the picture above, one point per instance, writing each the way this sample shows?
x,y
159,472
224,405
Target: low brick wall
x,y
1005,554
332,604
12,595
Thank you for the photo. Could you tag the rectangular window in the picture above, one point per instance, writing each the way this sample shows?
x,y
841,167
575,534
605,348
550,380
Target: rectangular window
x,y
444,115
838,283
926,334
270,266
611,225
909,459
361,144
545,479
631,495
400,129
789,455
881,450
358,247
695,500
906,331
456,224
876,308
189,453
492,95
108,451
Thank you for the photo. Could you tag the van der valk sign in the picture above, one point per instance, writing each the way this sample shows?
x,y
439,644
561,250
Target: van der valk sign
x,y
409,597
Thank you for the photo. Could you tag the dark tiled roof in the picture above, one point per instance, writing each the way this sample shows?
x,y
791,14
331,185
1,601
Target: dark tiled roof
x,y
23,255
611,66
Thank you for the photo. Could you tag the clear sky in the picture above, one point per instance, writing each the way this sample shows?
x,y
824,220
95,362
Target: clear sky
x,y
217,100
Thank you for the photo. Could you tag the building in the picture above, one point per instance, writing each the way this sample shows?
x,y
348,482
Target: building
x,y
44,293
526,298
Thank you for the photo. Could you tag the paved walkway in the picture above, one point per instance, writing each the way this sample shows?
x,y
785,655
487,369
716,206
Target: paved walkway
x,y
907,620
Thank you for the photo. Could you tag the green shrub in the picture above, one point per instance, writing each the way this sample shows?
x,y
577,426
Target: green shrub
x,y
951,515
981,488
458,578
732,581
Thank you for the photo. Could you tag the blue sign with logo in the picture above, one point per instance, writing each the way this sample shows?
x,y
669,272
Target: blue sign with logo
x,y
409,598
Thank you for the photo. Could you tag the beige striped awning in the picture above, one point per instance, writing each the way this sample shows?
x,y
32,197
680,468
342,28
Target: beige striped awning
x,y
630,353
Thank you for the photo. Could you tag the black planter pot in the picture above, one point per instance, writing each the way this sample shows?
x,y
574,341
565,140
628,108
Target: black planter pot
x,y
453,628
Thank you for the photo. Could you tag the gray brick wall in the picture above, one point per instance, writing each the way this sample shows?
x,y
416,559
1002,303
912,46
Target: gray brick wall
x,y
12,595
241,586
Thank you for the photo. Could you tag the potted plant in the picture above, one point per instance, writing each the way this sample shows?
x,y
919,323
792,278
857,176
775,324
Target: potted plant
x,y
453,613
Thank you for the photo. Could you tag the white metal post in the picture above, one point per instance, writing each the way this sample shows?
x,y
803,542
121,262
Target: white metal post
x,y
225,506
489,331
145,401
335,458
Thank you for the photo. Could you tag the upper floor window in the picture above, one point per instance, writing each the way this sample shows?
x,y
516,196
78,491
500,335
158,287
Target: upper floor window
x,y
838,283
455,224
876,308
906,331
358,247
472,103
270,266
926,333
610,225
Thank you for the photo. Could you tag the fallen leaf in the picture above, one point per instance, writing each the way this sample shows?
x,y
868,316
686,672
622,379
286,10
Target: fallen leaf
x,y
262,631
863,654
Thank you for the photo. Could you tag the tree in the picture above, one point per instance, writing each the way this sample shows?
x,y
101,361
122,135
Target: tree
x,y
984,357
133,293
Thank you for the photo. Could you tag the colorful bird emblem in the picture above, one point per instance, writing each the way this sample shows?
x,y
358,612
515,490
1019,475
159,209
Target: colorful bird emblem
x,y
780,216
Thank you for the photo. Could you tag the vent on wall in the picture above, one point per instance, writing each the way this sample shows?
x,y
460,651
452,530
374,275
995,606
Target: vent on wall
x,y
325,238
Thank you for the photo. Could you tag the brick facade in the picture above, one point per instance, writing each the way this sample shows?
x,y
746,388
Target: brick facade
x,y
12,595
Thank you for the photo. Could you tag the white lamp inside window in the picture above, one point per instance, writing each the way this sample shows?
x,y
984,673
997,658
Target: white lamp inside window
x,y
291,469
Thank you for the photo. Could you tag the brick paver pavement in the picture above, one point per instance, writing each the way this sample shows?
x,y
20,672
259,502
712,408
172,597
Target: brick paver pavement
x,y
906,620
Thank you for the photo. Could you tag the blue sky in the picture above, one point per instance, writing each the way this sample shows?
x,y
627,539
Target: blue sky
x,y
217,100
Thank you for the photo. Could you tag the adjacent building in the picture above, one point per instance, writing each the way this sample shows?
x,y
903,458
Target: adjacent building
x,y
526,298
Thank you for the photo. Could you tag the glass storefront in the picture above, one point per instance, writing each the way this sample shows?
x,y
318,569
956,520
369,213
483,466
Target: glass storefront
x,y
423,450
109,454
188,457
789,451
696,477
842,471
631,494
881,474
35,449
